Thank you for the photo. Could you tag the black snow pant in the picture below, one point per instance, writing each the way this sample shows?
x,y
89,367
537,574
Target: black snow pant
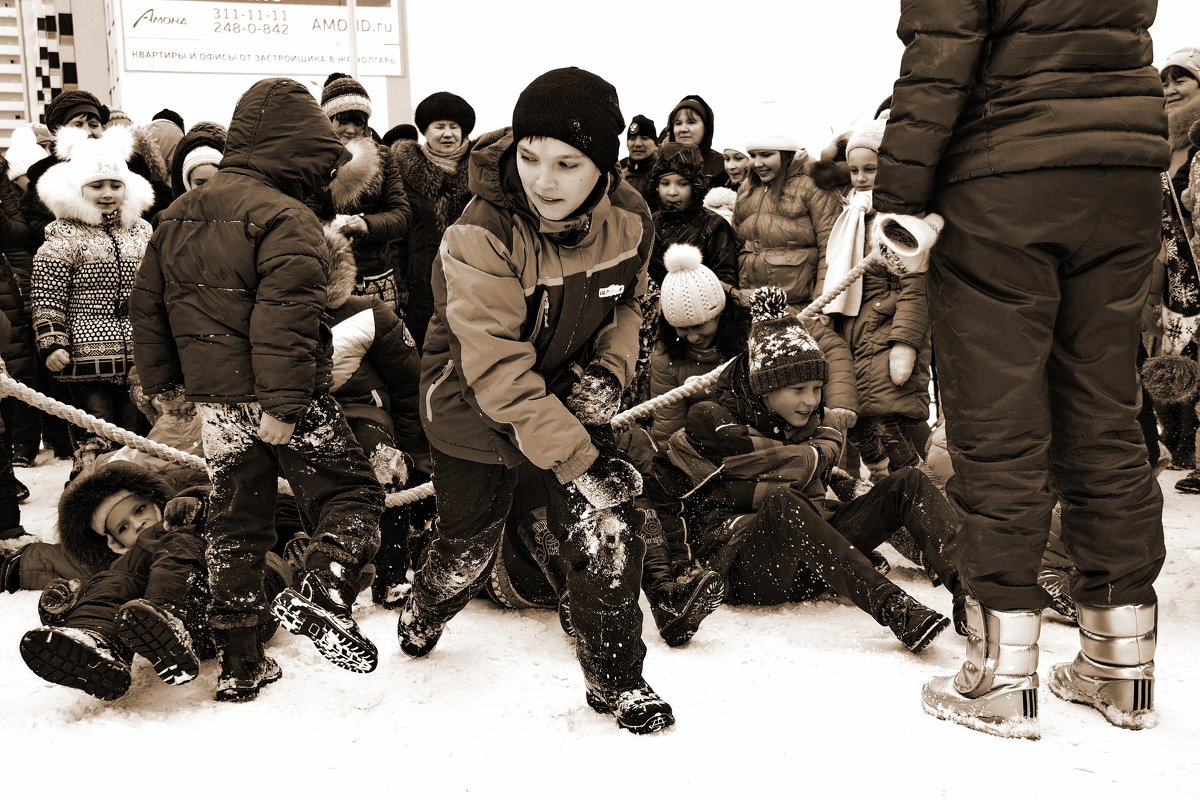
x,y
1035,295
329,475
604,563
392,559
788,552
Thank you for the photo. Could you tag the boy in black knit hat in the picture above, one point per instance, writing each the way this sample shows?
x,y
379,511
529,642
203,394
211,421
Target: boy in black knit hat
x,y
534,335
754,463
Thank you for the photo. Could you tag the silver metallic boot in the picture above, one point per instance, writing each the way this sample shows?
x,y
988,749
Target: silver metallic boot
x,y
996,689
1114,671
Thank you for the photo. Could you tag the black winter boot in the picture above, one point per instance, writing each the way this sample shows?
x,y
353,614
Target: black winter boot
x,y
79,659
639,710
417,630
679,604
914,624
159,636
245,668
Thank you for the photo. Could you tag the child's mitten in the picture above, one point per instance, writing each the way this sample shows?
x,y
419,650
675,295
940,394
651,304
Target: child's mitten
x,y
59,597
609,482
901,360
184,510
905,241
596,397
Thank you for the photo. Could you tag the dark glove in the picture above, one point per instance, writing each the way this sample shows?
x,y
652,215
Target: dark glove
x,y
59,597
609,482
184,510
596,397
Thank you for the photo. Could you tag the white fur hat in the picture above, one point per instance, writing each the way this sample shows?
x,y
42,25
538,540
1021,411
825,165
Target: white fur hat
x,y
89,160
23,152
691,292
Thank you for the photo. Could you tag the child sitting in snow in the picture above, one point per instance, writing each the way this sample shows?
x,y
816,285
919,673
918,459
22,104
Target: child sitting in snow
x,y
152,600
885,320
755,461
83,275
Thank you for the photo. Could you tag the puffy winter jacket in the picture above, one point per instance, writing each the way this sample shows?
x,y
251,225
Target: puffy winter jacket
x,y
522,302
231,294
18,352
783,242
992,88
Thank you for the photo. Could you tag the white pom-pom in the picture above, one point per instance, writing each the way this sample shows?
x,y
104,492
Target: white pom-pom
x,y
682,257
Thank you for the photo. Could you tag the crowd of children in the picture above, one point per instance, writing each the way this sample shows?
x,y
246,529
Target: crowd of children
x,y
356,317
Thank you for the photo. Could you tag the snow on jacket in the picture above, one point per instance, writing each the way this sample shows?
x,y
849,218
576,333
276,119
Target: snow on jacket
x,y
783,241
736,453
521,303
893,311
376,367
370,185
994,88
230,297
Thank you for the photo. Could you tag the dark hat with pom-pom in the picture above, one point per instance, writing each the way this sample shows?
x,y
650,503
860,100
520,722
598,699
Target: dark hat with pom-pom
x,y
342,93
1171,379
782,352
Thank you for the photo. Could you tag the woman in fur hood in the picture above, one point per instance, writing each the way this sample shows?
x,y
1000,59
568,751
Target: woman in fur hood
x,y
83,275
435,177
366,199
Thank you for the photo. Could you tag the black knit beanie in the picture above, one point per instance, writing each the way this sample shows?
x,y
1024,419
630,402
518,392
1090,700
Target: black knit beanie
x,y
170,116
641,126
782,352
401,131
576,107
445,105
683,159
71,104
342,93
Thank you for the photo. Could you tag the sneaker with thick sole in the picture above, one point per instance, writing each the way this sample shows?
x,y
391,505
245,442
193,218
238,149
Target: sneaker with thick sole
x,y
315,611
159,636
915,625
77,659
638,710
687,604
242,685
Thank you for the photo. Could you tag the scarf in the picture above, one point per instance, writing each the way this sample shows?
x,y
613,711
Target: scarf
x,y
448,163
846,249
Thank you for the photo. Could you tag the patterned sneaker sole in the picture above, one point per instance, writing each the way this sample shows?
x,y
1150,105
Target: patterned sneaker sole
x,y
55,657
334,641
706,598
152,636
654,723
242,691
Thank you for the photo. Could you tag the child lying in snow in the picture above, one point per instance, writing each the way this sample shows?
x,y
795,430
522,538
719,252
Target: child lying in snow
x,y
152,600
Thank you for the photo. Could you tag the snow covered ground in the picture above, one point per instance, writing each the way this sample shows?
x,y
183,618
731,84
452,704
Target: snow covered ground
x,y
786,701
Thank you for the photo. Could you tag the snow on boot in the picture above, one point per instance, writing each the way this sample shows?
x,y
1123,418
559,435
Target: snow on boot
x,y
680,606
318,609
1114,671
160,637
417,629
913,624
79,659
245,668
996,689
639,710
1057,584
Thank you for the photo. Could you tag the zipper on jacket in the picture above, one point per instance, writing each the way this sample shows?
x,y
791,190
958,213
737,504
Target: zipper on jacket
x,y
433,388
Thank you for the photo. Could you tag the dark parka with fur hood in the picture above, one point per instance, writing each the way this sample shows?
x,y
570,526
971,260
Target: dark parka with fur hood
x,y
230,299
996,88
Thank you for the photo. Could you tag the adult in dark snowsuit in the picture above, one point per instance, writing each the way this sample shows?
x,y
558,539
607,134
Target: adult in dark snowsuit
x,y
1037,130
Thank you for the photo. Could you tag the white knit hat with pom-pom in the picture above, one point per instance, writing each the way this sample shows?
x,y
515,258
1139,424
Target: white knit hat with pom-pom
x,y
691,292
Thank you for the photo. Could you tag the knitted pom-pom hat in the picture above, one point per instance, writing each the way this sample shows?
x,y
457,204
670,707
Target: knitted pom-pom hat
x,y
691,292
342,93
782,353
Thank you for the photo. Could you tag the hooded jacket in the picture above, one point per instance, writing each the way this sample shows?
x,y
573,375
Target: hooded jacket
x,y
522,303
714,162
994,88
230,299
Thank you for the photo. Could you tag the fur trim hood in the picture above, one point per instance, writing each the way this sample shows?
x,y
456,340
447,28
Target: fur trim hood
x,y
343,269
831,172
81,498
360,178
88,160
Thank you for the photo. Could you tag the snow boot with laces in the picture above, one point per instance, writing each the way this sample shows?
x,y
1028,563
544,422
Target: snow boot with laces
x,y
159,636
913,624
1114,670
638,710
245,668
678,603
79,659
319,608
995,691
